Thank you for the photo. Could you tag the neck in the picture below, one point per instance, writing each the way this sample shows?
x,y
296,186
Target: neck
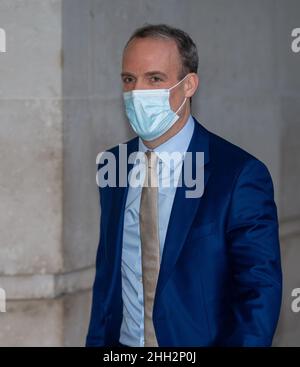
x,y
170,133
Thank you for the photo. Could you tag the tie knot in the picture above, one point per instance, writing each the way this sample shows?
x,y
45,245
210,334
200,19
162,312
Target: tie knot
x,y
151,158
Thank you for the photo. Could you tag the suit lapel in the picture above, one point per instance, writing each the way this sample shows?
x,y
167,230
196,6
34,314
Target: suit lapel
x,y
118,201
183,209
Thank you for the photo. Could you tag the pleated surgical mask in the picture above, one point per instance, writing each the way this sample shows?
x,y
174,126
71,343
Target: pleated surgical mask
x,y
149,111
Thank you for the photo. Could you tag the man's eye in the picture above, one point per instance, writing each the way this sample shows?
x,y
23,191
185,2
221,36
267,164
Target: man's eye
x,y
127,80
155,79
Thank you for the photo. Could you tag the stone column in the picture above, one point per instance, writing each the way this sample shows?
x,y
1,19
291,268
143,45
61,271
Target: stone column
x,y
60,104
47,244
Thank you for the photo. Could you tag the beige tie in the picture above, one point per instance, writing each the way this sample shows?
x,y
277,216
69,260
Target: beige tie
x,y
150,245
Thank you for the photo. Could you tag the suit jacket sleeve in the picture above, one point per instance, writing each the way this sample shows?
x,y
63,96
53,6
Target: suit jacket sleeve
x,y
254,254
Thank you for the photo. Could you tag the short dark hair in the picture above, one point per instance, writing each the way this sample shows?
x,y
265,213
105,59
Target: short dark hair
x,y
186,46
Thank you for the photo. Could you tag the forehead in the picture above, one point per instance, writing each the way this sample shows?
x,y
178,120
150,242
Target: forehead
x,y
144,54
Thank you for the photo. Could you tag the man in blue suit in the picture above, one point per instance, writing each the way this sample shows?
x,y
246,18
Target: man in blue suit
x,y
174,270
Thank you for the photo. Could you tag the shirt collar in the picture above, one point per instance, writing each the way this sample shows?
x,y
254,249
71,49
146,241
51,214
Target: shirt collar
x,y
177,143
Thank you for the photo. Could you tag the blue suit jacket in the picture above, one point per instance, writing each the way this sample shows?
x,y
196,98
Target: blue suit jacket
x,y
220,279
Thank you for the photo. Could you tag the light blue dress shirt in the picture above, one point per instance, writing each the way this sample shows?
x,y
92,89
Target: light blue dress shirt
x,y
132,327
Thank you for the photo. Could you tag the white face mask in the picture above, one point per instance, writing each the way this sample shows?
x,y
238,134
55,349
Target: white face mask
x,y
149,111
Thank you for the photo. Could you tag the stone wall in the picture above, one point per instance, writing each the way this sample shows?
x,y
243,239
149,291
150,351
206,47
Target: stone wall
x,y
60,104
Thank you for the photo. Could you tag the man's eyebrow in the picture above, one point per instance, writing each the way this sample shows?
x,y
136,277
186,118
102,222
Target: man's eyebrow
x,y
149,73
125,73
156,72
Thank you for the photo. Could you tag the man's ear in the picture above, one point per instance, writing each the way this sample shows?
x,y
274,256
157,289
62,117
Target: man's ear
x,y
191,84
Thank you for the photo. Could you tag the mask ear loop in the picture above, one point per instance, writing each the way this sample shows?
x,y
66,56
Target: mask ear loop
x,y
178,83
185,98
